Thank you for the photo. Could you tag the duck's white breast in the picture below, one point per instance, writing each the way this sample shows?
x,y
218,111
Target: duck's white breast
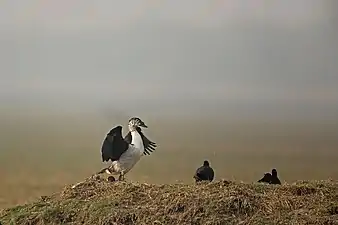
x,y
130,158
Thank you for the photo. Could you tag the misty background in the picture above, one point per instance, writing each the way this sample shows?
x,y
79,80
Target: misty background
x,y
276,58
231,81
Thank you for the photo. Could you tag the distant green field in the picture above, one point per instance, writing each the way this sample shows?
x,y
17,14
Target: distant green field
x,y
42,153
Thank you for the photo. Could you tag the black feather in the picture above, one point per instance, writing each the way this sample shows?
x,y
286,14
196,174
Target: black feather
x,y
113,145
266,178
204,173
106,149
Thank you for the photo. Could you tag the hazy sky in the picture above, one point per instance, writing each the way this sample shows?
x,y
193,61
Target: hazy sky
x,y
171,55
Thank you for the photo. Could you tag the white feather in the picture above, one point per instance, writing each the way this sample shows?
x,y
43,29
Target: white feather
x,y
130,157
136,140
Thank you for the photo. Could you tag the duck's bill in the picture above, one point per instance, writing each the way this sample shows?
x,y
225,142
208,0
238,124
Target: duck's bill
x,y
143,125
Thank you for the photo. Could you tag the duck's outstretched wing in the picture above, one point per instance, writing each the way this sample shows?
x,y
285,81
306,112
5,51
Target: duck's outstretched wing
x,y
113,145
149,146
107,148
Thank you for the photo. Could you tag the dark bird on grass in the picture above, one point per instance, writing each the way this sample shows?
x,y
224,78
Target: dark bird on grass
x,y
266,178
204,173
274,177
270,178
125,152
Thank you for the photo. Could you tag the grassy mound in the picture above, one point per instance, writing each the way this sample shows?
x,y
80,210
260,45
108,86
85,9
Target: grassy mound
x,y
221,202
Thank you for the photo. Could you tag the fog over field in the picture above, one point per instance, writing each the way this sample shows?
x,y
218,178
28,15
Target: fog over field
x,y
249,86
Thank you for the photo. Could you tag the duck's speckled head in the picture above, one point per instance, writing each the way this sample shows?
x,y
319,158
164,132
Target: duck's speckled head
x,y
136,122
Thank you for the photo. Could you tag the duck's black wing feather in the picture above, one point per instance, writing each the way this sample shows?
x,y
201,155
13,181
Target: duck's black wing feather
x,y
149,146
107,148
113,145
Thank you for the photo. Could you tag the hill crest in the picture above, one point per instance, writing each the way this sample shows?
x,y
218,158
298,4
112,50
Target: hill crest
x,y
221,202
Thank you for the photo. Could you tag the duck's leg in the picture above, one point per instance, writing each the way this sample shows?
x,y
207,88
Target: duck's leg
x,y
113,168
121,177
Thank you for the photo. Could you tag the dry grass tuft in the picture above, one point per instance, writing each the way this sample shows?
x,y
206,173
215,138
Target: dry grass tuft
x,y
97,201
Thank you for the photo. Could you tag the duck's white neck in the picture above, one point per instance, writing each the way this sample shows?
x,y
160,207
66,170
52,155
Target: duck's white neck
x,y
136,140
